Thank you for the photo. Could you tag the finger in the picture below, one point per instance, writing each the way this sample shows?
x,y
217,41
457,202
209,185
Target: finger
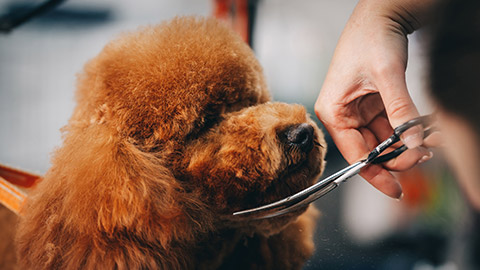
x,y
354,146
382,180
434,140
380,126
408,159
382,130
369,107
370,139
399,105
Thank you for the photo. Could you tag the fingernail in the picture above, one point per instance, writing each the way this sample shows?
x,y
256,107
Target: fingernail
x,y
426,158
413,137
399,199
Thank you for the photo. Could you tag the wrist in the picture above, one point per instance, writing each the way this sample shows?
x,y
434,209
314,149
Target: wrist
x,y
405,16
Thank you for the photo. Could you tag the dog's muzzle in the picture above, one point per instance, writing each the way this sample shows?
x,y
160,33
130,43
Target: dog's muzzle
x,y
301,136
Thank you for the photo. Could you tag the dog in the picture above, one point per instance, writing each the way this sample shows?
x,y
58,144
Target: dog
x,y
174,131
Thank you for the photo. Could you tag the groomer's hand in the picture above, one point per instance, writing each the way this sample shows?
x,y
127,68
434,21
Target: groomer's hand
x,y
364,94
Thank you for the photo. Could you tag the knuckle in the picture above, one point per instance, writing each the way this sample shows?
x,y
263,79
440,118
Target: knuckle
x,y
319,111
399,107
321,108
387,67
381,70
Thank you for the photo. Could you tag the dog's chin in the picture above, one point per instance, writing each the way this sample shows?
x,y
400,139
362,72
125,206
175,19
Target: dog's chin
x,y
290,180
251,225
298,179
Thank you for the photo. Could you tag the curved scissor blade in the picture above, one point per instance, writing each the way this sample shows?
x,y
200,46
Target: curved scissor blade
x,y
304,197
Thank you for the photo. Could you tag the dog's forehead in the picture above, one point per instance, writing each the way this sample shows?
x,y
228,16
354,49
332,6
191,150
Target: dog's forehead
x,y
268,114
171,80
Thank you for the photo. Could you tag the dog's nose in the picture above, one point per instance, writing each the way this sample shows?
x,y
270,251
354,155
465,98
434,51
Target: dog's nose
x,y
301,136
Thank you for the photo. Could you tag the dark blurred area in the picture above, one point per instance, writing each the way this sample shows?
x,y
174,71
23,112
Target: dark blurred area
x,y
51,13
431,228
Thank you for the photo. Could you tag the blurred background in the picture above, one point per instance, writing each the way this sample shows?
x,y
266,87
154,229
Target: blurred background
x,y
431,228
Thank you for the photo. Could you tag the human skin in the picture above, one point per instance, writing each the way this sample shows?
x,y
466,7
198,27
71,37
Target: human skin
x,y
453,65
364,95
461,152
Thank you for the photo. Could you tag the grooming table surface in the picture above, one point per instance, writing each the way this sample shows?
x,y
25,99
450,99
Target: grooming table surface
x,y
14,185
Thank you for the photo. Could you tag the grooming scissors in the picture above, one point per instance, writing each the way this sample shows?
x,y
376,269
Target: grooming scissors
x,y
314,192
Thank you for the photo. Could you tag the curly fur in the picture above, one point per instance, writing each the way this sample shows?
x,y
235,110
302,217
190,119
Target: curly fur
x,y
172,133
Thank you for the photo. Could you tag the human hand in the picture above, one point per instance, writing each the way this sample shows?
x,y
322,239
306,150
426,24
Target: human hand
x,y
365,94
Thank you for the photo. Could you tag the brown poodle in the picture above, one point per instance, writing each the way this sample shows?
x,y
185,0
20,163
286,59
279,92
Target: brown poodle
x,y
173,132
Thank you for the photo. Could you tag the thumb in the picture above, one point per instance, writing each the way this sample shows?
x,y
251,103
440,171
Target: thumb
x,y
400,107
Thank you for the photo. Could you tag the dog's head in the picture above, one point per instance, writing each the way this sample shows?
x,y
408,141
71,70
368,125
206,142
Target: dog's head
x,y
173,124
172,133
256,156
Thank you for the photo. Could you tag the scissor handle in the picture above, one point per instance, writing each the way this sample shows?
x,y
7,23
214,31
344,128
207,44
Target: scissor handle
x,y
425,121
395,153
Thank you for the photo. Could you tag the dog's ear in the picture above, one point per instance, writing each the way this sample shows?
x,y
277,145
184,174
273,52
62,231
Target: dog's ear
x,y
115,183
100,189
101,203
